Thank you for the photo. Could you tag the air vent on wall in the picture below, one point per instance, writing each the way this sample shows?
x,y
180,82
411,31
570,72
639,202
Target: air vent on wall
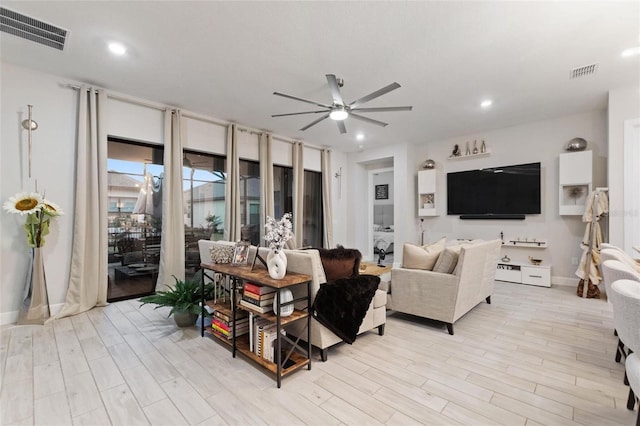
x,y
583,71
31,29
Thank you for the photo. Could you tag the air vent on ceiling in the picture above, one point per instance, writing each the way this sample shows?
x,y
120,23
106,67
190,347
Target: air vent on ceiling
x,y
31,29
583,71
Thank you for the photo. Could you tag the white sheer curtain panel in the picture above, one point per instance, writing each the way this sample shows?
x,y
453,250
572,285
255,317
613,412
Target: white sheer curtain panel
x,y
232,227
89,270
172,241
327,204
266,180
298,193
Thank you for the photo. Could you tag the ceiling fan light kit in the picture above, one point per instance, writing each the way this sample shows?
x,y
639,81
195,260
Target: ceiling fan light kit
x,y
339,110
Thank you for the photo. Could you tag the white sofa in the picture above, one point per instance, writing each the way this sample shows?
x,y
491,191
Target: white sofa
x,y
308,262
447,297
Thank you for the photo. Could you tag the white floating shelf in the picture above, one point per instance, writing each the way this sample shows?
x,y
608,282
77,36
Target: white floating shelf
x,y
466,157
529,244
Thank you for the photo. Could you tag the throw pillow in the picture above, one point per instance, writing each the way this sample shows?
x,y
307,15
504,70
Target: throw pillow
x,y
340,262
341,305
425,257
447,260
221,253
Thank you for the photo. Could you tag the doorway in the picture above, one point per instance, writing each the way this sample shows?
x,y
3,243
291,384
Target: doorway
x,y
381,224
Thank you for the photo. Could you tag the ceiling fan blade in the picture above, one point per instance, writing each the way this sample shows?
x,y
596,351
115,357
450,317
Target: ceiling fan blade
x,y
341,127
335,89
298,113
295,98
368,120
313,123
370,96
383,109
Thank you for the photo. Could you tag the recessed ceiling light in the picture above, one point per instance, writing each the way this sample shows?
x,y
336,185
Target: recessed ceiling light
x,y
360,136
117,48
486,103
632,51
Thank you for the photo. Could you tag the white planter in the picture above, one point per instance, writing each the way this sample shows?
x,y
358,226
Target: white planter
x,y
285,296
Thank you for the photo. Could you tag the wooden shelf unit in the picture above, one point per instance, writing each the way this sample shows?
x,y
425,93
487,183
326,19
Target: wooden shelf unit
x,y
300,357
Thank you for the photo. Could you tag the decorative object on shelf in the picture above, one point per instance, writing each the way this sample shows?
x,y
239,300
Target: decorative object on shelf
x,y
30,126
240,253
535,261
475,146
468,151
429,164
483,147
285,296
183,298
277,235
576,193
39,212
576,144
455,152
506,258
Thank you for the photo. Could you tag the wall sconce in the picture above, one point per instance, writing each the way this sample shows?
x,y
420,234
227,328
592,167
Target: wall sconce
x,y
30,126
338,175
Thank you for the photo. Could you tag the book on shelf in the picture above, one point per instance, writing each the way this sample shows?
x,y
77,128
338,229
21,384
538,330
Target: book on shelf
x,y
258,327
258,302
255,296
260,309
258,289
225,325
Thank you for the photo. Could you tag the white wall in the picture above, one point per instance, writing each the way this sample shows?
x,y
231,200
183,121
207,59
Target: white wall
x,y
624,104
384,178
542,142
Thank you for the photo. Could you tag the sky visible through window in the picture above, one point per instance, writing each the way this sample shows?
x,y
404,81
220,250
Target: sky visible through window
x,y
137,169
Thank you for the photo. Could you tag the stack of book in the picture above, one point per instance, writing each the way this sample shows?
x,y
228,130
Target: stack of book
x,y
257,297
222,324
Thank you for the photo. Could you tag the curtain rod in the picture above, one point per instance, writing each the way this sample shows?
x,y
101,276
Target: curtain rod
x,y
161,107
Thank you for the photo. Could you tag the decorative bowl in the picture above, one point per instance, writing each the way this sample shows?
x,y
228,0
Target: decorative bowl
x,y
576,144
535,261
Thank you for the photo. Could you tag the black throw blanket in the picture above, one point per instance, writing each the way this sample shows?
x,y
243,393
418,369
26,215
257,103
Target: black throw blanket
x,y
341,305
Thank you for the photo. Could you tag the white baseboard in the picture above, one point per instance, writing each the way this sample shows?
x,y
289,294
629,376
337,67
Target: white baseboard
x,y
11,317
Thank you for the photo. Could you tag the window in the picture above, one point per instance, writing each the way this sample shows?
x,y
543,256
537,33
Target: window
x,y
134,217
204,183
282,190
250,200
313,227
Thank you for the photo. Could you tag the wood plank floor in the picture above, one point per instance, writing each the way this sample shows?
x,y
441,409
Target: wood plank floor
x,y
536,356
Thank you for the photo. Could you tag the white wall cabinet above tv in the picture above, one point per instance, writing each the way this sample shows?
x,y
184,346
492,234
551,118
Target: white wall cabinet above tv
x,y
427,200
575,176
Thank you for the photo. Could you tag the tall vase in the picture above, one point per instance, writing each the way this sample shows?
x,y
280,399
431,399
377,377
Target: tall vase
x,y
277,264
35,307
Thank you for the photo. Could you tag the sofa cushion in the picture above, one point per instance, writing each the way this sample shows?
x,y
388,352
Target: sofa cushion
x,y
340,262
447,260
425,257
341,305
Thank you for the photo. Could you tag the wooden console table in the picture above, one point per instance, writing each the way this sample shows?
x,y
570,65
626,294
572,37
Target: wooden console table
x,y
297,356
373,269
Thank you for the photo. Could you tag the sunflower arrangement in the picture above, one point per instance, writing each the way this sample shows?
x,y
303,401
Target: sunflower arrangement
x,y
39,212
278,232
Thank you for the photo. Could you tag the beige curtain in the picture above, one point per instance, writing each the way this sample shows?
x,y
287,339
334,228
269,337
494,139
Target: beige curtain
x,y
298,193
327,202
266,181
89,269
232,226
172,242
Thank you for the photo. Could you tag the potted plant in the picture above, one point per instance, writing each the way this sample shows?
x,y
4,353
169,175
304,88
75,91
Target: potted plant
x,y
183,298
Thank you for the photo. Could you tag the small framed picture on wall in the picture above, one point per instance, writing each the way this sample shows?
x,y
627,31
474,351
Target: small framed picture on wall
x,y
382,192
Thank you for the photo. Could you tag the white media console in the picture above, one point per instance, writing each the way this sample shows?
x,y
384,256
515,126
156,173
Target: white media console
x,y
524,273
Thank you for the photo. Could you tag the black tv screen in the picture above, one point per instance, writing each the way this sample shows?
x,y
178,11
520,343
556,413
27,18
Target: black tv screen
x,y
510,190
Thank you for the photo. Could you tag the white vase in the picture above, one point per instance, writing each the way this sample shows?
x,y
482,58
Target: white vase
x,y
285,296
277,264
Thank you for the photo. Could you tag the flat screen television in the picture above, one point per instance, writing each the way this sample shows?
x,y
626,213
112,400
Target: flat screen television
x,y
507,192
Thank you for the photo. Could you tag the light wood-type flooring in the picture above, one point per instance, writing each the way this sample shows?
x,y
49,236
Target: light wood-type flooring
x,y
535,356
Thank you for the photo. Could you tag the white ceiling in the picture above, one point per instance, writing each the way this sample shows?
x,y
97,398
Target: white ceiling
x,y
225,59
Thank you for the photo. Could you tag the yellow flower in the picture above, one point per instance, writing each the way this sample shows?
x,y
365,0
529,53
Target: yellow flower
x,y
24,203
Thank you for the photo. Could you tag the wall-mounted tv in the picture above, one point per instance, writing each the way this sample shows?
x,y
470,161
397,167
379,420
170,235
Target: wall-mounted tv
x,y
507,192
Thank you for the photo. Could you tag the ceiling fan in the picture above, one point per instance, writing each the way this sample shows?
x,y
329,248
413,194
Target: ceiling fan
x,y
339,110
